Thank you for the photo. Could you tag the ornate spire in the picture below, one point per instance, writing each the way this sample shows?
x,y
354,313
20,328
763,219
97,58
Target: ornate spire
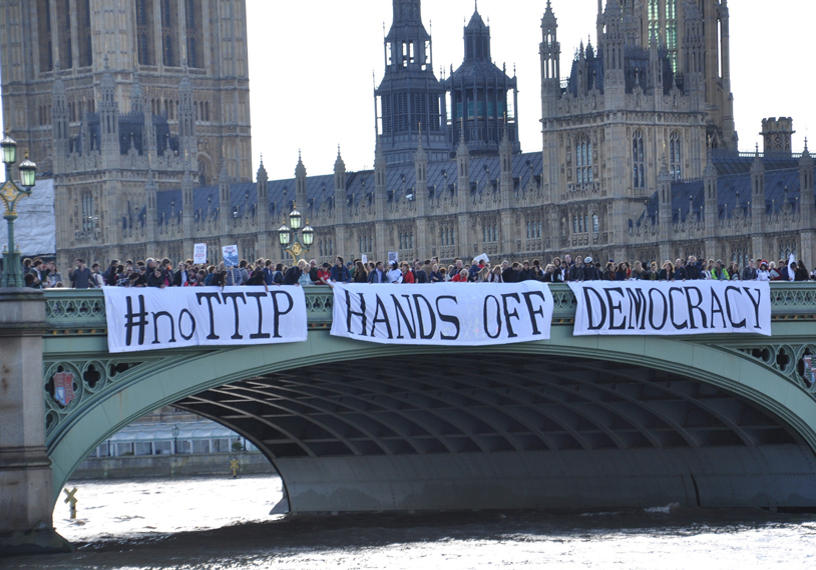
x,y
421,155
462,142
300,169
261,175
757,165
549,18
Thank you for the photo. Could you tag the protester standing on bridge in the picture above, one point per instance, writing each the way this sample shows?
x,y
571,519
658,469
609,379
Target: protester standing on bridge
x,y
156,279
360,273
762,273
435,276
801,273
394,275
734,271
377,275
340,273
81,276
293,274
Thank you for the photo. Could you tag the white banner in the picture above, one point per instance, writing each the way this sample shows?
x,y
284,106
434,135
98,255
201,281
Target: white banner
x,y
672,308
200,254
443,314
150,318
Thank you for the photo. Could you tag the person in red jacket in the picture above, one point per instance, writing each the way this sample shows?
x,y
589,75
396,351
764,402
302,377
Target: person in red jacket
x,y
407,274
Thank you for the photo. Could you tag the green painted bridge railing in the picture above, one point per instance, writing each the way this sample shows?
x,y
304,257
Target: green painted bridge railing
x,y
74,311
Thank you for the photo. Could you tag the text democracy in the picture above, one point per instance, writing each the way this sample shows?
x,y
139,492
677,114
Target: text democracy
x,y
698,307
445,314
148,319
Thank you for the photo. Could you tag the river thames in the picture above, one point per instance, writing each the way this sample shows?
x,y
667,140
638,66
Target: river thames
x,y
223,524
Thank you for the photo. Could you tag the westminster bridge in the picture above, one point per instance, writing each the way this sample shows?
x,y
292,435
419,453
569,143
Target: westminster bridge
x,y
569,422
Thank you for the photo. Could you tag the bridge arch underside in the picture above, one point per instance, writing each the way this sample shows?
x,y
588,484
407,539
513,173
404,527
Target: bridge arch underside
x,y
505,431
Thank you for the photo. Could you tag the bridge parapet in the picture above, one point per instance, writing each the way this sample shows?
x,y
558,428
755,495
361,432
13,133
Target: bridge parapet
x,y
71,311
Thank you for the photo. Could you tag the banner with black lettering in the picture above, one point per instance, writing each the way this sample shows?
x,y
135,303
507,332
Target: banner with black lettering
x,y
672,308
177,317
443,314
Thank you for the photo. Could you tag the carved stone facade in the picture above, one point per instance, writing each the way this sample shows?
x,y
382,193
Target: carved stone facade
x,y
638,161
110,95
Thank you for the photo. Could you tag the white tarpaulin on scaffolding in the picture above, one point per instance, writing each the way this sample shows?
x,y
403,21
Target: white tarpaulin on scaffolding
x,y
35,231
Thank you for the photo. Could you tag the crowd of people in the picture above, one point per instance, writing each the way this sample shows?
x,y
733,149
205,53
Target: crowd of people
x,y
161,273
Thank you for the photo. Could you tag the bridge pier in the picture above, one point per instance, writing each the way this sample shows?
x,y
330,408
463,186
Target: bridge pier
x,y
25,475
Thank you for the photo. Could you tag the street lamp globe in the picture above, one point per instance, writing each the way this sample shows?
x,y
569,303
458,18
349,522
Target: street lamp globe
x,y
308,234
295,219
284,234
9,147
28,171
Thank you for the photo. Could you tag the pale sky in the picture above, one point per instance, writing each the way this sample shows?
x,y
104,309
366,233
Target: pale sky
x,y
311,65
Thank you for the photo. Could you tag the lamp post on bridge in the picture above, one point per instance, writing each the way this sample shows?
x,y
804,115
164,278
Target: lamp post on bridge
x,y
286,234
11,194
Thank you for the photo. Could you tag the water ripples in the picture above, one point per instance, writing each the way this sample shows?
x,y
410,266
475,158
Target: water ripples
x,y
223,524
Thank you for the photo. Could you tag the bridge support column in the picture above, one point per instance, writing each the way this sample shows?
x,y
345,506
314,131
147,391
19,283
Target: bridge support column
x,y
25,472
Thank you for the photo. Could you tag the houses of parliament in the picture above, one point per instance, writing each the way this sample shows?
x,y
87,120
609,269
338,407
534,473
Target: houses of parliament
x,y
139,110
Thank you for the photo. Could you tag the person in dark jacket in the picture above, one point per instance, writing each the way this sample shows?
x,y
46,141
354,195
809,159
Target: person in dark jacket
x,y
360,273
576,272
680,273
156,279
81,276
801,273
340,273
526,273
420,275
750,272
692,268
377,276
313,271
510,274
293,275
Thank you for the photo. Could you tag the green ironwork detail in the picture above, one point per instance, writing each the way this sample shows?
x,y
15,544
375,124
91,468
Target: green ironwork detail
x,y
787,358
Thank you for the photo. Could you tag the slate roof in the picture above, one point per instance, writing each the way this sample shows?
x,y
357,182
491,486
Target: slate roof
x,y
732,190
400,182
728,163
479,71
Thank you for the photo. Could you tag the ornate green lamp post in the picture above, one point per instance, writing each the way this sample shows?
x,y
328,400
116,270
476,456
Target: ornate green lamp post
x,y
286,234
11,194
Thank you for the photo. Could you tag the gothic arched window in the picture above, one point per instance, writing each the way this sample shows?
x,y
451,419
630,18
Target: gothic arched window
x,y
583,160
168,51
638,161
87,211
675,156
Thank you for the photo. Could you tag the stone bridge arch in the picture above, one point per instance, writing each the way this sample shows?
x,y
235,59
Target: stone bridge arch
x,y
571,422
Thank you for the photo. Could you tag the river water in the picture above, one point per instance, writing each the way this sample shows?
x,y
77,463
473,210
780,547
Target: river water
x,y
223,524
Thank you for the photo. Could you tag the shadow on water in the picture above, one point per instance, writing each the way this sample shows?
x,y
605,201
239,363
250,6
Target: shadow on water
x,y
348,537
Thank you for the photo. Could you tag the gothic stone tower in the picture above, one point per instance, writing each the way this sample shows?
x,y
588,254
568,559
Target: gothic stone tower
x,y
479,93
623,118
410,101
662,21
104,93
